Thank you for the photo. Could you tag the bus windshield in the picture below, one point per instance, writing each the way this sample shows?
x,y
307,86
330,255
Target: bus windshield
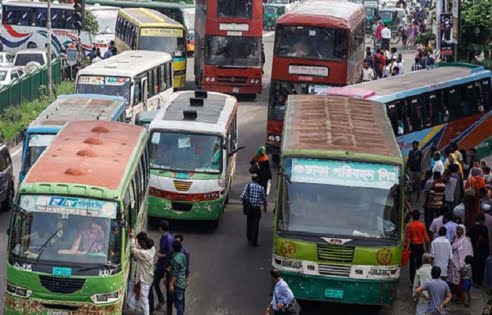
x,y
280,90
173,45
234,8
233,51
317,191
36,145
106,20
119,86
311,42
56,229
186,152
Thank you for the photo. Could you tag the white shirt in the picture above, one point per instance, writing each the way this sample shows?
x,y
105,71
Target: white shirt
x,y
435,226
442,253
367,74
386,33
438,167
400,67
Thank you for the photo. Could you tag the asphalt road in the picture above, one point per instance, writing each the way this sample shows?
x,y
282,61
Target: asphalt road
x,y
228,277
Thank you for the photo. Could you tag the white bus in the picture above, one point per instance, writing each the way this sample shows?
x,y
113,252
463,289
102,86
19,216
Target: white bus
x,y
106,19
24,26
194,138
143,78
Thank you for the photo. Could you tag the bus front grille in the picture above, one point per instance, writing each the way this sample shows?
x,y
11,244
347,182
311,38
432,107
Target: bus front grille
x,y
61,285
182,185
232,80
334,270
336,253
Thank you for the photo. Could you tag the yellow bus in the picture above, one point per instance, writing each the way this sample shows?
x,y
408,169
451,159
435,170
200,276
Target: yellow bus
x,y
145,29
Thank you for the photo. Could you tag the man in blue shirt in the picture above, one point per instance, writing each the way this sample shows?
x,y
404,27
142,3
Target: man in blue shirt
x,y
108,54
283,301
254,196
165,246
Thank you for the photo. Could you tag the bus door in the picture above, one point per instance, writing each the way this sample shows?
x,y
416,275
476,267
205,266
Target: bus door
x,y
231,147
485,93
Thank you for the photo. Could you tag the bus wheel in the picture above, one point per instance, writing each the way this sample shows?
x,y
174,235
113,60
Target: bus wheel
x,y
32,45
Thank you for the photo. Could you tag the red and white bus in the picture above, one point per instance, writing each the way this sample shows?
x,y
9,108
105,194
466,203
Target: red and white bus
x,y
228,40
318,44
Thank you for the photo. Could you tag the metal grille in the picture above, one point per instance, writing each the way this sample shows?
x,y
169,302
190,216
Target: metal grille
x,y
182,185
234,80
334,270
61,285
335,253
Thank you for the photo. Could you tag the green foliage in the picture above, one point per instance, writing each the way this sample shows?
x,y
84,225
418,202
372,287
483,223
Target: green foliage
x,y
476,25
91,25
14,119
425,38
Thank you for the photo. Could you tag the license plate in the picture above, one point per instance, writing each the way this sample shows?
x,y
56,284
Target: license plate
x,y
235,90
334,294
62,272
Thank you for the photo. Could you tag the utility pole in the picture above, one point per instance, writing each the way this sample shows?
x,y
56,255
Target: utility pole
x,y
48,52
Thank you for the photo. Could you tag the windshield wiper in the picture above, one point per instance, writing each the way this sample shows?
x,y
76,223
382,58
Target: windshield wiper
x,y
45,244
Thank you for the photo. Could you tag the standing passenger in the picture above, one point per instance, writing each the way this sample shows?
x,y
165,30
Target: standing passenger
x,y
253,197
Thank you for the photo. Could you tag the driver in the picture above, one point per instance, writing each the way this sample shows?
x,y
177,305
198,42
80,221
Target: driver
x,y
90,238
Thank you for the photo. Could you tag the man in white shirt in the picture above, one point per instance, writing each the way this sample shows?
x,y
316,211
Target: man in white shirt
x,y
442,252
438,164
385,36
367,73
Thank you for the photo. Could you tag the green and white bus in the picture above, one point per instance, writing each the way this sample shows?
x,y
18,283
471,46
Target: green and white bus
x,y
194,138
339,208
68,250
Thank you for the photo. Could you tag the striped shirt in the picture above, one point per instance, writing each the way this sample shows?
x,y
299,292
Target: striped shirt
x,y
436,194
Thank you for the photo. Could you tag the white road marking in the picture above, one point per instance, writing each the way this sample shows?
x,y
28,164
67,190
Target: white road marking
x,y
17,151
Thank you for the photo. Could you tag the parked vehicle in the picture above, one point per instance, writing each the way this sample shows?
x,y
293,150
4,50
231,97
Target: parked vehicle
x,y
9,74
6,59
38,57
271,12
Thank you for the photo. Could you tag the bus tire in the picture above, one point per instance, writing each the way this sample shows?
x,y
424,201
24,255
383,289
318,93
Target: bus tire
x,y
32,45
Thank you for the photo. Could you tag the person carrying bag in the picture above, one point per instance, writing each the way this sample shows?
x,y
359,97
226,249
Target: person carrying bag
x,y
283,301
253,198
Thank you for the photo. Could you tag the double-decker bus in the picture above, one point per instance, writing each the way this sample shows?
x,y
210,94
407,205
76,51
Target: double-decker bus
x,y
24,26
318,44
448,103
68,248
194,138
228,34
144,29
338,233
66,108
143,78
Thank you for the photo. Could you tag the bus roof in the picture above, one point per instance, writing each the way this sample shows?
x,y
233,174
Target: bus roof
x,y
147,17
36,4
325,13
127,64
91,153
185,111
336,123
423,81
80,107
141,4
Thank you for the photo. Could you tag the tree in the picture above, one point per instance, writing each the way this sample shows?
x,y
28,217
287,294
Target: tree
x,y
91,25
476,27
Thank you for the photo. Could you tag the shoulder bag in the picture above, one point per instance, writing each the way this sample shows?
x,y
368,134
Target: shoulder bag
x,y
246,204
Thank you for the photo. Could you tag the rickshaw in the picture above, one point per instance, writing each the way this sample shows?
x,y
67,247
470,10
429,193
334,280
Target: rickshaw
x,y
395,19
371,14
271,12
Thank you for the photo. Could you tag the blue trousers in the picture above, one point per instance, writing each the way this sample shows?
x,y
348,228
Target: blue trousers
x,y
179,300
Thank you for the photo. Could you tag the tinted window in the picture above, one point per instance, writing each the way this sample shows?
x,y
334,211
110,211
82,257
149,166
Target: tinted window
x,y
234,8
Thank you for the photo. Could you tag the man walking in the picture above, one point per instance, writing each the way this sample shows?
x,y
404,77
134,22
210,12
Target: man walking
x,y
414,167
385,38
165,246
253,197
417,239
438,290
442,252
283,301
434,199
367,73
177,282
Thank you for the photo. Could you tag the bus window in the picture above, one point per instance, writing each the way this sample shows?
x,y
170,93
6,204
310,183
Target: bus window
x,y
436,107
486,99
467,100
156,82
452,102
416,113
40,17
24,16
234,8
393,116
137,94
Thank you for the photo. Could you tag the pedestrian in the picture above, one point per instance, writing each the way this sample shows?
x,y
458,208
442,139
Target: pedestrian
x,y
471,199
253,198
417,240
467,280
385,37
92,54
379,62
379,29
450,182
437,165
458,192
367,73
450,226
462,247
434,199
180,238
475,180
439,293
442,252
143,254
283,301
479,237
453,146
165,246
98,56
417,66
399,64
414,168
452,159
487,177
108,54
395,71
260,164
487,279
387,68
369,58
112,48
177,282
437,223
422,275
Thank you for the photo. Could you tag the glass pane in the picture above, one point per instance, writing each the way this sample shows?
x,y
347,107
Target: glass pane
x,y
233,51
234,8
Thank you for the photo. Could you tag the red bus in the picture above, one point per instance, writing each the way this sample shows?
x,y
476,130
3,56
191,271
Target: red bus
x,y
317,44
229,50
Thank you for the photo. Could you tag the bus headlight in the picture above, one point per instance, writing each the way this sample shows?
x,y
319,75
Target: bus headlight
x,y
18,291
105,297
207,79
278,138
257,81
212,79
252,81
221,182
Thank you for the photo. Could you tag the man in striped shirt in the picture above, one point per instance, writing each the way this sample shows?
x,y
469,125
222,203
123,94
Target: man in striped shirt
x,y
434,200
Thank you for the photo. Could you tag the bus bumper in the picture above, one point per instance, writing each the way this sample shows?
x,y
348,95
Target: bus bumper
x,y
176,210
229,89
341,290
25,306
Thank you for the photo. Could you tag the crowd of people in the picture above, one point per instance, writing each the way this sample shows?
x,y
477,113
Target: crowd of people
x,y
450,250
95,54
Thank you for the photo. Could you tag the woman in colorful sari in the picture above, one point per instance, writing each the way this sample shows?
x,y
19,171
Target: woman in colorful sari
x,y
462,247
260,164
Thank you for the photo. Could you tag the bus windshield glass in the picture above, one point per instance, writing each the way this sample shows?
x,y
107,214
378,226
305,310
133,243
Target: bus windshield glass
x,y
61,230
163,39
280,90
106,20
234,8
119,86
186,152
317,191
233,51
36,145
311,43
